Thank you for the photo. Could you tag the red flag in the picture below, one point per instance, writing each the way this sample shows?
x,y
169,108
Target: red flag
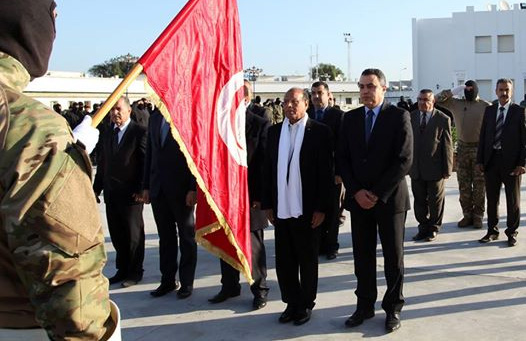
x,y
195,70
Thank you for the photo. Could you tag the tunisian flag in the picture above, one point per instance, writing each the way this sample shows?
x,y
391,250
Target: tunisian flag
x,y
195,71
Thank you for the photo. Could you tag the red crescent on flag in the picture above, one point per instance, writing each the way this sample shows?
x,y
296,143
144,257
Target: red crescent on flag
x,y
232,129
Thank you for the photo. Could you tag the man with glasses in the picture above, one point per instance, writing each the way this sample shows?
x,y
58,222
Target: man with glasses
x,y
432,164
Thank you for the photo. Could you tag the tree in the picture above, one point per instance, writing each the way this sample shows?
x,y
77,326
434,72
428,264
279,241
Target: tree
x,y
326,72
118,66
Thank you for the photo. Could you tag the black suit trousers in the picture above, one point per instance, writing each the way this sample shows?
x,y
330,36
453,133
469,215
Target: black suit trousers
x,y
230,276
390,227
330,227
126,227
297,245
429,203
495,176
175,221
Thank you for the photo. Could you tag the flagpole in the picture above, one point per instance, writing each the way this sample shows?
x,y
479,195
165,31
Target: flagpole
x,y
117,93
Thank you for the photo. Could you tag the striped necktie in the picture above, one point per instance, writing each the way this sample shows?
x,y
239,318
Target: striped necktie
x,y
498,129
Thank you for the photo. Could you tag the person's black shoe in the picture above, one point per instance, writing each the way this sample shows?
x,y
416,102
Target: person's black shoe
x,y
259,302
421,235
512,240
332,255
358,317
184,292
392,322
302,316
288,315
118,277
465,222
165,288
431,236
224,295
489,237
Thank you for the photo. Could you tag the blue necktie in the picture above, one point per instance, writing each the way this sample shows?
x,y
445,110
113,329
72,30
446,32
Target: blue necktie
x,y
319,114
165,128
368,125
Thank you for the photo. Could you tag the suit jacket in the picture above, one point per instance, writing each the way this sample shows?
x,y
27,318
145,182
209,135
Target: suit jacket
x,y
513,138
165,166
332,118
315,168
433,148
381,165
256,136
120,174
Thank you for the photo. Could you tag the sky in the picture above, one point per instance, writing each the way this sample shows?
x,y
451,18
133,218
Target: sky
x,y
278,36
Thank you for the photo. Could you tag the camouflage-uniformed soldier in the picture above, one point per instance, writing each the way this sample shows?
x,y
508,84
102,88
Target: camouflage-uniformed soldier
x,y
467,113
51,241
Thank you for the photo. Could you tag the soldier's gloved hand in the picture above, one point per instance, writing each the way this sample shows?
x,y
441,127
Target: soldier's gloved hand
x,y
459,90
86,134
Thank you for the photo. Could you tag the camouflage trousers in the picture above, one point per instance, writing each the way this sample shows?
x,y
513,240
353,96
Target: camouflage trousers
x,y
471,183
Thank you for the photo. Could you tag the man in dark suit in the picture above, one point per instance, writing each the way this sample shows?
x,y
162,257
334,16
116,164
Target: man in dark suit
x,y
296,195
119,174
171,189
332,118
501,156
432,164
256,138
375,155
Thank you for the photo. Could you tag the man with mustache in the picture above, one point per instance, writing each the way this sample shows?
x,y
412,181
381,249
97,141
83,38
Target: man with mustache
x,y
502,157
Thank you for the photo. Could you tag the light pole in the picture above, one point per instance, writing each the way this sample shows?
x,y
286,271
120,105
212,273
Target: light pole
x,y
400,86
348,39
252,74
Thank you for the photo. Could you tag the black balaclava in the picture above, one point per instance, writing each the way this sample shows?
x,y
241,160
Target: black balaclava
x,y
27,31
471,95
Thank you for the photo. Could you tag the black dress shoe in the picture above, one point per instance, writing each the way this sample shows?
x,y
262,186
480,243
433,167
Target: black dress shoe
x,y
512,241
118,277
184,292
332,255
358,317
489,237
224,295
431,236
288,315
302,316
421,235
165,288
259,302
392,322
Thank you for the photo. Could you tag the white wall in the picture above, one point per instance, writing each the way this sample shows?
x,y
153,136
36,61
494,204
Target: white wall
x,y
444,50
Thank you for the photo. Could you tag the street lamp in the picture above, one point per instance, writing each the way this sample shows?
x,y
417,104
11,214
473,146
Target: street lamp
x,y
348,39
400,82
252,74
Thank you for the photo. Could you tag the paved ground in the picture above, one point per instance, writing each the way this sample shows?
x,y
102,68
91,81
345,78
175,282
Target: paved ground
x,y
456,289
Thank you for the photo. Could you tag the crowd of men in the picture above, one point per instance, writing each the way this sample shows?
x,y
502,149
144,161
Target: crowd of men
x,y
304,155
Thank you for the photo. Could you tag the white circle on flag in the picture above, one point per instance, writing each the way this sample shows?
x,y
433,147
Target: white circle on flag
x,y
232,127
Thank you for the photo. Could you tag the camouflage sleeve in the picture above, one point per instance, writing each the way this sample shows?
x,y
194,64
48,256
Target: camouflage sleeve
x,y
443,96
52,224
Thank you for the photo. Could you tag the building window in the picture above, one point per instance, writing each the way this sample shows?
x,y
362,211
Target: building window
x,y
348,100
483,44
506,43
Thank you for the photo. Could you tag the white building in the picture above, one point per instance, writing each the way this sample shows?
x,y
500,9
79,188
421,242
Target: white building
x,y
483,46
66,87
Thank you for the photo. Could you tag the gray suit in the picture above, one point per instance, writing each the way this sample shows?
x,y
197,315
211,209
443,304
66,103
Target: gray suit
x,y
432,163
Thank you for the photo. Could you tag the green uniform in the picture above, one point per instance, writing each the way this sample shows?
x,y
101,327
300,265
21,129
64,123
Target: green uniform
x,y
51,241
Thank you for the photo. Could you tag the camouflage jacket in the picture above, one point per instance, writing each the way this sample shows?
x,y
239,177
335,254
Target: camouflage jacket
x,y
51,241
